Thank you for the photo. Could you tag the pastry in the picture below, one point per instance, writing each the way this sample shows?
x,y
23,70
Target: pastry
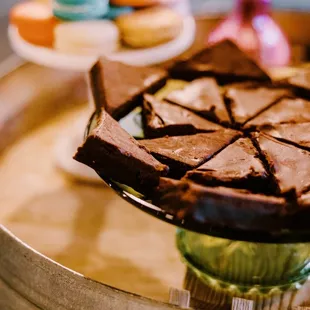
x,y
289,165
80,9
87,37
301,81
297,134
202,96
182,153
221,206
149,27
109,146
35,22
246,102
115,11
141,3
119,87
162,118
238,165
224,61
284,111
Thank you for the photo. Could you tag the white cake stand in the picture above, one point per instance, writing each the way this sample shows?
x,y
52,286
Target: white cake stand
x,y
66,146
50,57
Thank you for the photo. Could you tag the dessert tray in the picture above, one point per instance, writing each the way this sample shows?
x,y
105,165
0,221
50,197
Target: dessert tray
x,y
259,196
138,57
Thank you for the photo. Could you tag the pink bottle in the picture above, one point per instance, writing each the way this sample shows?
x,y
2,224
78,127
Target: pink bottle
x,y
251,26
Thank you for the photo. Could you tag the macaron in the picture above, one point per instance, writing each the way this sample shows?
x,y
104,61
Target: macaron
x,y
97,37
80,9
141,3
149,27
35,22
115,11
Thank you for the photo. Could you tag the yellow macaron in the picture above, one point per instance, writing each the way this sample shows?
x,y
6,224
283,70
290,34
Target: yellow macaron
x,y
149,27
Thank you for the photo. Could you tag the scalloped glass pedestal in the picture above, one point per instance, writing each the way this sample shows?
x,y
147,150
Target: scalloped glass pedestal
x,y
220,269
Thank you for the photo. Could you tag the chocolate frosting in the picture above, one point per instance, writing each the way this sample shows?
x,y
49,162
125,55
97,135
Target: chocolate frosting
x,y
110,150
245,103
119,87
287,110
238,165
162,118
289,164
202,96
224,60
297,134
182,153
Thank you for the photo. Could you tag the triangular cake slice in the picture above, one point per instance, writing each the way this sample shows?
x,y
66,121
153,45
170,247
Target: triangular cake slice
x,y
163,118
202,96
301,81
224,60
289,165
119,87
220,206
183,153
297,134
246,102
286,110
112,152
238,165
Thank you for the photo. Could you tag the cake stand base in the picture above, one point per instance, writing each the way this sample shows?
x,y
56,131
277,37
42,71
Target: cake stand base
x,y
272,276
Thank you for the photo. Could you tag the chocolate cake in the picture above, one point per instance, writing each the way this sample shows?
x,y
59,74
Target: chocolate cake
x,y
162,118
111,151
289,165
119,87
296,134
246,102
182,153
221,206
254,174
287,110
301,82
224,61
238,165
202,96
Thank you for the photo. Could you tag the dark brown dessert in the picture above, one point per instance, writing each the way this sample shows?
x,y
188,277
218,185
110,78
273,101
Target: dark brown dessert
x,y
284,111
238,165
162,118
224,61
119,87
111,151
202,96
246,102
301,82
221,206
289,165
182,153
297,134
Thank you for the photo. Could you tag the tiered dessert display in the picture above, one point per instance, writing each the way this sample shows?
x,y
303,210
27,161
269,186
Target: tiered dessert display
x,y
224,152
73,34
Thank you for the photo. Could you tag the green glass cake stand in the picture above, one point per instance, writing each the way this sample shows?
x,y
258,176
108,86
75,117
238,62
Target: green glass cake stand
x,y
270,267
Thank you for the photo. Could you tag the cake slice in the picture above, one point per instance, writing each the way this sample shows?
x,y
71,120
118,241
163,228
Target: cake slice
x,y
220,206
289,165
286,110
224,61
163,118
238,165
246,102
119,87
296,134
183,153
113,153
301,82
202,96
